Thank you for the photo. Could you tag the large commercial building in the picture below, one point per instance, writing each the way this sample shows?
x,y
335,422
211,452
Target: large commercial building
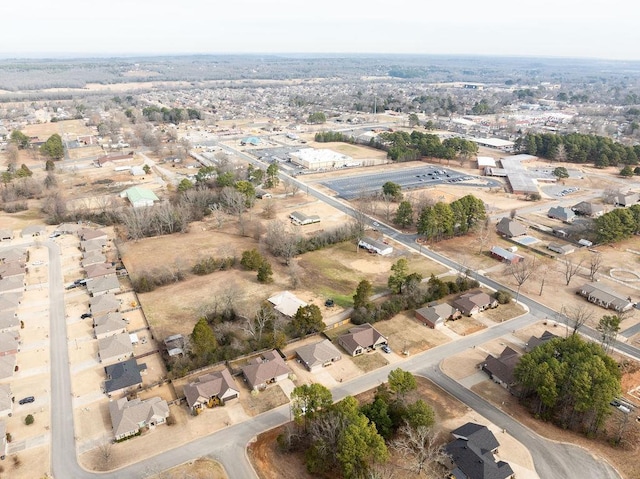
x,y
313,159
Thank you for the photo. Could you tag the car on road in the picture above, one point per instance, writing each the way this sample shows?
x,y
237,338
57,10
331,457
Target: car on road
x,y
37,263
386,349
54,235
86,315
27,400
376,224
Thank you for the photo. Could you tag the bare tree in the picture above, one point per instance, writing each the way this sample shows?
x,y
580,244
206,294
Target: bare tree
x,y
421,449
105,449
281,241
269,209
544,266
483,233
570,268
255,327
521,272
575,316
388,201
595,263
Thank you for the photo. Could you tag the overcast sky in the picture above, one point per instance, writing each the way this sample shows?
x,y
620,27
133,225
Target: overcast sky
x,y
565,28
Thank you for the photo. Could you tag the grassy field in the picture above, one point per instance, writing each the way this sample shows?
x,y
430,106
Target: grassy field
x,y
504,312
465,326
407,334
198,469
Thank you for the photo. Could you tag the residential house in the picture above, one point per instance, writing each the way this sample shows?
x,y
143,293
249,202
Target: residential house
x,y
302,219
3,440
510,228
252,141
435,316
211,390
128,417
268,369
99,270
9,344
97,245
605,297
6,400
103,285
627,199
68,228
6,235
375,246
361,338
109,325
139,197
474,302
115,348
10,301
500,369
92,257
9,320
561,213
13,254
535,341
505,255
585,208
7,366
121,377
14,284
13,269
103,304
110,159
561,248
87,234
33,230
318,355
263,194
286,303
472,454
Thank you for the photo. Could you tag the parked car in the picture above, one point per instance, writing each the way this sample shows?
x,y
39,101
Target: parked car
x,y
71,286
386,349
329,303
86,315
27,400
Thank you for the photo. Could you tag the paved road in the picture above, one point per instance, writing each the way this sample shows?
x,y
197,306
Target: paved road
x,y
231,453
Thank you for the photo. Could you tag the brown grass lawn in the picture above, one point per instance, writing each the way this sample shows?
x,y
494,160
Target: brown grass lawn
x,y
198,469
504,312
368,362
465,326
255,404
407,334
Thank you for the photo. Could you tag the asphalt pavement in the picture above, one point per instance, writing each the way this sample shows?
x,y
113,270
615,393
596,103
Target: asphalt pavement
x,y
552,460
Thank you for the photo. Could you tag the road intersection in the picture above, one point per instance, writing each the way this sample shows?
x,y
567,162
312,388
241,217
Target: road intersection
x,y
228,445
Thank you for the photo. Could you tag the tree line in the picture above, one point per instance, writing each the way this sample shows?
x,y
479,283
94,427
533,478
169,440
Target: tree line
x,y
618,224
170,115
578,148
402,146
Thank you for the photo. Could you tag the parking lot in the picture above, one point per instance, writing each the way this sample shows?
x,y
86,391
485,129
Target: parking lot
x,y
357,184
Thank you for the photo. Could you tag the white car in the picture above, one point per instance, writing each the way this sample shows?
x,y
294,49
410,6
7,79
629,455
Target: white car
x,y
37,263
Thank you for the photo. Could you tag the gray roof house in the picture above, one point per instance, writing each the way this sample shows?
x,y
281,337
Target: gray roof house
x,y
561,248
103,304
318,355
8,344
100,269
7,366
627,199
605,297
128,417
6,234
509,228
436,315
211,390
103,285
474,302
122,376
376,246
115,348
10,301
3,440
109,324
9,320
535,341
586,208
361,338
13,284
93,245
12,269
88,234
6,404
13,254
500,369
471,453
268,369
505,255
561,213
33,230
92,257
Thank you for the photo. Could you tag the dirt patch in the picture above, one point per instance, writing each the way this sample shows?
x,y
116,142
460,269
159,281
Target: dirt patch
x,y
370,361
28,464
259,402
465,326
198,469
407,334
503,312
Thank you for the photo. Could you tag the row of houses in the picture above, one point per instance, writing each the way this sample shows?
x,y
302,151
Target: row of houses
x,y
12,285
466,304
